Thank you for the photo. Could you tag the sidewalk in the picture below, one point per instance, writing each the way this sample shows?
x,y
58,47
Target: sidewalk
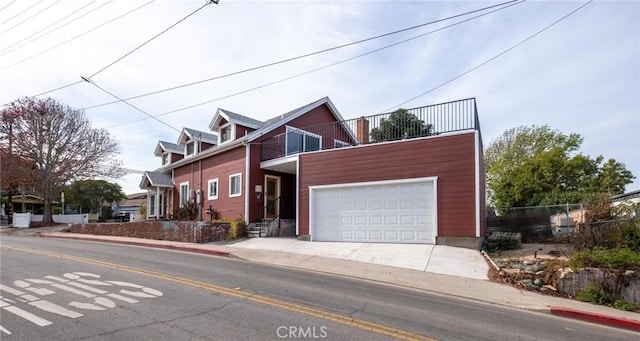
x,y
443,270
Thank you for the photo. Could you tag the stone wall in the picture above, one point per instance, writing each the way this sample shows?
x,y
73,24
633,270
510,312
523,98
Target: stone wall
x,y
180,231
571,282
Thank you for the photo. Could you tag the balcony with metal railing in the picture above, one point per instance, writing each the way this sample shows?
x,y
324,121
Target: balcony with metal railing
x,y
398,125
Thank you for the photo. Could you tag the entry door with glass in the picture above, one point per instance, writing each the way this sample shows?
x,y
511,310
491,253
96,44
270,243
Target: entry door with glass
x,y
271,197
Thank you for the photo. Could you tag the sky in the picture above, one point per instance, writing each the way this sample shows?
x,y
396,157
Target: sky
x,y
581,75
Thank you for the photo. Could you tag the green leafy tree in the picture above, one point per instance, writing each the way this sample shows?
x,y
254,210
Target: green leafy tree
x,y
531,166
401,124
59,144
92,194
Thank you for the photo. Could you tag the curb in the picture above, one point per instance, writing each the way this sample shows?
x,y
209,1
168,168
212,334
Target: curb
x,y
618,322
157,246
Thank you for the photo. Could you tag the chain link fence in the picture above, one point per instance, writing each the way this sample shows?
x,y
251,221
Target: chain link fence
x,y
538,224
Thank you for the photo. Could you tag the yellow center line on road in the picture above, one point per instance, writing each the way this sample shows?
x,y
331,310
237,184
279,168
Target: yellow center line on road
x,y
298,308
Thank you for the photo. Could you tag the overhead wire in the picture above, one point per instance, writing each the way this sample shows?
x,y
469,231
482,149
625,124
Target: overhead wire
x,y
305,55
31,17
23,11
152,38
7,5
77,36
316,69
88,80
488,60
25,41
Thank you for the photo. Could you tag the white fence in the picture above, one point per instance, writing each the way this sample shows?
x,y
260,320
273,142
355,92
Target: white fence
x,y
63,218
22,219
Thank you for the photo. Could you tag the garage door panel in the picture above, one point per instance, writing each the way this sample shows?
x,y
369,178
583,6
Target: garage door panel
x,y
400,212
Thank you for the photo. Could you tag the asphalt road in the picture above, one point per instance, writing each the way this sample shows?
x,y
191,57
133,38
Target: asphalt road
x,y
78,290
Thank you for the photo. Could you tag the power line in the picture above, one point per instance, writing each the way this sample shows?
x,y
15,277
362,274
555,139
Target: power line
x,y
88,80
7,5
490,59
304,55
152,38
24,41
319,68
19,14
27,19
77,36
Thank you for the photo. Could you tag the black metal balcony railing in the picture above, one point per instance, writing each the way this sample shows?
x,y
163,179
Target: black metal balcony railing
x,y
410,123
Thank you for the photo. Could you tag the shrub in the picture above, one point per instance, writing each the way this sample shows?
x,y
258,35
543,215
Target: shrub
x,y
619,259
595,295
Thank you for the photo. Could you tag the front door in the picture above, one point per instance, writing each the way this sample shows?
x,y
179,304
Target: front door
x,y
271,196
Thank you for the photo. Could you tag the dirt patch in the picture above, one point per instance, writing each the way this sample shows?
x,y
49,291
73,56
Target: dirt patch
x,y
535,251
534,267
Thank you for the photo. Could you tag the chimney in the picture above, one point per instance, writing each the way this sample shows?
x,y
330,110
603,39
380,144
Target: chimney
x,y
362,130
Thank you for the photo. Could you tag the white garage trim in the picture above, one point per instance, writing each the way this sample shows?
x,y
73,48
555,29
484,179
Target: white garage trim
x,y
434,201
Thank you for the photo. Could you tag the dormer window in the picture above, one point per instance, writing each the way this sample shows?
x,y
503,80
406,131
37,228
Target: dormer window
x,y
225,133
190,148
165,159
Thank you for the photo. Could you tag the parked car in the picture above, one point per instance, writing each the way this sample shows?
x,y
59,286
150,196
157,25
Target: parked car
x,y
123,216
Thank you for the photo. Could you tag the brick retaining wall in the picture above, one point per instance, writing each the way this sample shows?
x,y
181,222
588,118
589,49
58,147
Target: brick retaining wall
x,y
180,231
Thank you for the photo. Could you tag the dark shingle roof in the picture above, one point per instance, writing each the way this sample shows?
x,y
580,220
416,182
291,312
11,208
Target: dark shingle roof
x,y
201,135
243,120
157,179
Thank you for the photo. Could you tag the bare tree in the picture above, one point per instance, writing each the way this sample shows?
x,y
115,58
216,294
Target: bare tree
x,y
59,143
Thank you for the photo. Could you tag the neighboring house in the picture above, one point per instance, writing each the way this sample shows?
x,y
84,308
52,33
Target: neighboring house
x,y
130,205
329,178
630,198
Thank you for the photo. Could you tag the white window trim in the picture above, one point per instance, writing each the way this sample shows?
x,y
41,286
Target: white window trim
x,y
182,201
209,196
158,212
168,156
304,141
232,132
195,148
239,182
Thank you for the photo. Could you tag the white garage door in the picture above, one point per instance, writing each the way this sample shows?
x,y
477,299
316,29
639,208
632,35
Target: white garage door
x,y
396,212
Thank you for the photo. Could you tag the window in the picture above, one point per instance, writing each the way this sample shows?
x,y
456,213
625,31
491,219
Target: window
x,y
340,144
225,133
235,185
165,158
213,189
152,206
184,193
302,141
190,148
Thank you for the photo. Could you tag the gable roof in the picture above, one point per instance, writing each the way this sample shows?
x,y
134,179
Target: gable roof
x,y
280,120
268,126
234,118
156,179
164,146
192,134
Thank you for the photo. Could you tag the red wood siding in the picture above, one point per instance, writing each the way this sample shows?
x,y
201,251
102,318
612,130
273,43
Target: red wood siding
x,y
450,158
176,157
242,131
219,166
317,116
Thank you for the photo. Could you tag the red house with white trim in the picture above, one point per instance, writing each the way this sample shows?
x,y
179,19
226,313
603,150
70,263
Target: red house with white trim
x,y
414,177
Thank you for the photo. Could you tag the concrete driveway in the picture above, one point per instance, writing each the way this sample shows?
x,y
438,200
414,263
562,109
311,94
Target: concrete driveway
x,y
439,259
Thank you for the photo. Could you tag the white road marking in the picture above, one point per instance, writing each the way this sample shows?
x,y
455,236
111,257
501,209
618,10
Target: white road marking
x,y
123,298
87,306
40,291
28,316
29,298
88,288
11,290
55,278
4,330
147,292
56,309
72,290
